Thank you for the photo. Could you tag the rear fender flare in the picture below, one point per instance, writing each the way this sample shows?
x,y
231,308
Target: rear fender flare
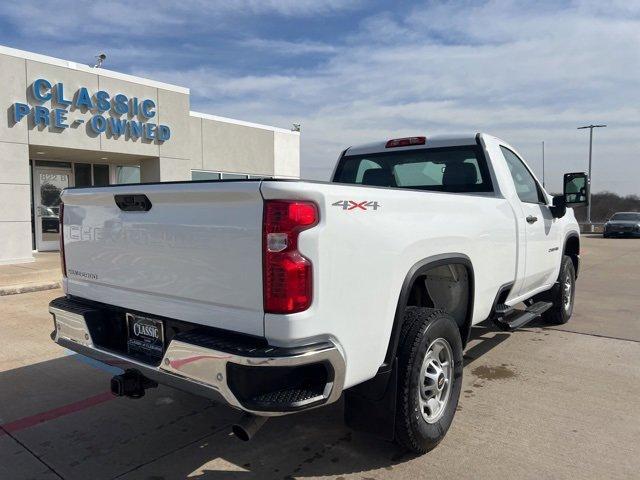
x,y
418,269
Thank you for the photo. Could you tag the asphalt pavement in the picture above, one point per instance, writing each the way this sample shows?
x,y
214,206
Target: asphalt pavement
x,y
540,403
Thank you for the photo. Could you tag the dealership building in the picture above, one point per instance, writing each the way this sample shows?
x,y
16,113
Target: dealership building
x,y
67,124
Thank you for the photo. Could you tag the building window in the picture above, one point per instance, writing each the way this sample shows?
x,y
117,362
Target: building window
x,y
52,164
204,175
100,175
259,177
210,175
234,176
82,174
127,174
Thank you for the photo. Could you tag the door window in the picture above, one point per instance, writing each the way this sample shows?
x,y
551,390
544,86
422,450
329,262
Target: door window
x,y
526,186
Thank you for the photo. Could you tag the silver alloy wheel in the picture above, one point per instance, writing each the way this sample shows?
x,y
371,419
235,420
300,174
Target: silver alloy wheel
x,y
436,379
567,287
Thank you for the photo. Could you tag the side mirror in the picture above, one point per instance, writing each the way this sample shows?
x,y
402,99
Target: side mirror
x,y
559,207
576,189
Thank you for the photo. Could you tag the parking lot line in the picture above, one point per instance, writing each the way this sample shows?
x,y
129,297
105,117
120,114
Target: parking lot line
x,y
80,405
54,413
73,407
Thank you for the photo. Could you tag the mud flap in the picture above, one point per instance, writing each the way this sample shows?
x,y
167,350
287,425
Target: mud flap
x,y
371,406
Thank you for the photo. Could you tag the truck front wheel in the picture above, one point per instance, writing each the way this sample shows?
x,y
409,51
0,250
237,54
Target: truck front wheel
x,y
561,294
429,378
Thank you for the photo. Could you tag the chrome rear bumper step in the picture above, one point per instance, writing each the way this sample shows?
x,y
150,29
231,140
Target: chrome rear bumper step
x,y
203,364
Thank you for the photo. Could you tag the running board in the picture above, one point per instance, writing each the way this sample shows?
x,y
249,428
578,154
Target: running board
x,y
515,319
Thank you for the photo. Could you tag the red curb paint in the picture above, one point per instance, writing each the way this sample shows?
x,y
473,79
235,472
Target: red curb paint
x,y
42,417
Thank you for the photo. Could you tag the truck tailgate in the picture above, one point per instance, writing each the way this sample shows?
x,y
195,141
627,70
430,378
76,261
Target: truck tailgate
x,y
195,255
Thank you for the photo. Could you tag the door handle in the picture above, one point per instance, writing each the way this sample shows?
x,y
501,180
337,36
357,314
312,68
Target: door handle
x,y
133,203
532,219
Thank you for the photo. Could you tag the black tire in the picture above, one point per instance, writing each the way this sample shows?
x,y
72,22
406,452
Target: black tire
x,y
421,328
560,313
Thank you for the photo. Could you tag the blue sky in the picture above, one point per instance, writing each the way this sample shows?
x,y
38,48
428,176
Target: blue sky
x,y
352,71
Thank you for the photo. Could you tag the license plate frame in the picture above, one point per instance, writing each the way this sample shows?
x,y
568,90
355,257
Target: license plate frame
x,y
145,336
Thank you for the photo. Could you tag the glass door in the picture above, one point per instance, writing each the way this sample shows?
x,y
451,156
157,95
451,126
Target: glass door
x,y
48,184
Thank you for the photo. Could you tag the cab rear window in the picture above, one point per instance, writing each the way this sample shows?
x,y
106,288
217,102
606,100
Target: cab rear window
x,y
451,169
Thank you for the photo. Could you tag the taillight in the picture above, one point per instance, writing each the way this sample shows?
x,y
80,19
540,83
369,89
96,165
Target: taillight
x,y
288,275
63,263
406,142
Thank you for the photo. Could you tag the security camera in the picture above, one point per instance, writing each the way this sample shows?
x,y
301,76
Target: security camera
x,y
101,58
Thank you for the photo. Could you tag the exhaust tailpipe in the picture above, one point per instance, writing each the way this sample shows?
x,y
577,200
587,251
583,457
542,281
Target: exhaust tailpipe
x,y
248,426
131,384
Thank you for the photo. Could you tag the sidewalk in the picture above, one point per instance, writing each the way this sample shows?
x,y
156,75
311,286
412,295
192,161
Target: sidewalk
x,y
43,274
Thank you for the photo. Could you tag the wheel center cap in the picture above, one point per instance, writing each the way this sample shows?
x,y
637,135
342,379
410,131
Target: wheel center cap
x,y
440,381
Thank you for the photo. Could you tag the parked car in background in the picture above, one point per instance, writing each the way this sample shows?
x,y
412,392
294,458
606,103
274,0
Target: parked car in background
x,y
623,224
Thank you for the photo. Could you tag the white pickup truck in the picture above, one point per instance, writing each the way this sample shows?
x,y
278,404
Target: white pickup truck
x,y
277,296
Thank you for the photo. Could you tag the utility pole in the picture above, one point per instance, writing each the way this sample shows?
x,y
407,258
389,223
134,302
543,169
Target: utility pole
x,y
590,127
543,164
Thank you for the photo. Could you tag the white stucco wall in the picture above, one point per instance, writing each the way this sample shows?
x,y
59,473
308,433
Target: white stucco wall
x,y
198,141
286,153
15,227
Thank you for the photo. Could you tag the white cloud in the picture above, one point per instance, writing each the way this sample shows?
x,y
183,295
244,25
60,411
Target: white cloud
x,y
282,7
287,48
525,73
88,18
85,19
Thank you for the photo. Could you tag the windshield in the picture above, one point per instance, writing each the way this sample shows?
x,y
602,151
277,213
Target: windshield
x,y
451,169
626,216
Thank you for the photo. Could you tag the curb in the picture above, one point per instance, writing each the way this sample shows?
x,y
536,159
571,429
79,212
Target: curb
x,y
27,288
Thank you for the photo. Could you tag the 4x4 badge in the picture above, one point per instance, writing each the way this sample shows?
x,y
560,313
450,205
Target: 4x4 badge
x,y
354,205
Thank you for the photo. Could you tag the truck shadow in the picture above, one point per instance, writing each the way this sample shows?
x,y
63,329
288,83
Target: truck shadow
x,y
484,338
60,410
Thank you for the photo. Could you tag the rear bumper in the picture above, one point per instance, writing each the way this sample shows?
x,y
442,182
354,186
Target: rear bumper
x,y
265,381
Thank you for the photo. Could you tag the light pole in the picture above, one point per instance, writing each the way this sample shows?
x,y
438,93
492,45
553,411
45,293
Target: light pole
x,y
590,127
543,164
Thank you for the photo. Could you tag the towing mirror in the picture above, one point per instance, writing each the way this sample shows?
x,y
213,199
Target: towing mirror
x,y
559,208
576,189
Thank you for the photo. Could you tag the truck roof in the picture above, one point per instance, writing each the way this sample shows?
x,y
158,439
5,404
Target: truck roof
x,y
433,141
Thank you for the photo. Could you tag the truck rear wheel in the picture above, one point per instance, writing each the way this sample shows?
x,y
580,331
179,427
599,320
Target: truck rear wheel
x,y
429,378
561,294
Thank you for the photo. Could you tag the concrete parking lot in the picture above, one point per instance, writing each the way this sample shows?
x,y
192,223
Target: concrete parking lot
x,y
538,403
